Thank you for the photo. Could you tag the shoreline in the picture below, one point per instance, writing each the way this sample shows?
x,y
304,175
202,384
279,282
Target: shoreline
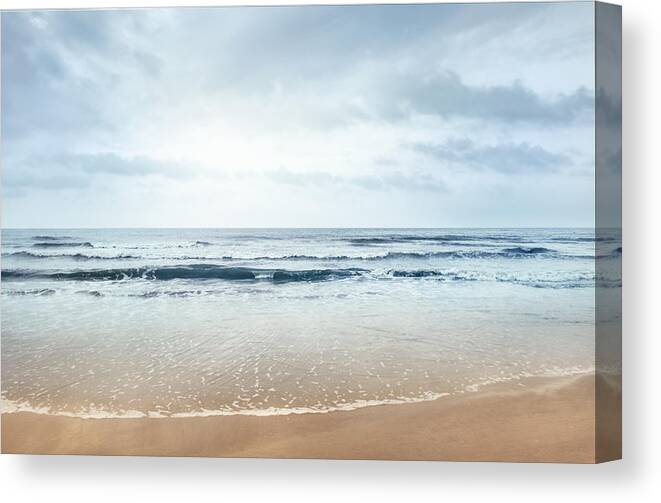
x,y
536,419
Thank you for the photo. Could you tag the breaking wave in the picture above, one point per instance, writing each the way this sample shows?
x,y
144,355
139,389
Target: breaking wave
x,y
278,276
60,244
196,271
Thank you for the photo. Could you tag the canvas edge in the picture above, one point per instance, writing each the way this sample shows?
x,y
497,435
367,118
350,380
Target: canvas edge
x,y
608,218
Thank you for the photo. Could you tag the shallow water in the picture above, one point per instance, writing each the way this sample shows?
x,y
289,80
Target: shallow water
x,y
212,321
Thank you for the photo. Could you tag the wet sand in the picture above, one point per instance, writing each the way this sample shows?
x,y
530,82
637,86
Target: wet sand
x,y
537,420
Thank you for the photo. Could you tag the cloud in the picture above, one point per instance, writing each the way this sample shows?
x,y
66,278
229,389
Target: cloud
x,y
355,101
14,181
61,69
370,182
503,158
445,95
78,171
113,164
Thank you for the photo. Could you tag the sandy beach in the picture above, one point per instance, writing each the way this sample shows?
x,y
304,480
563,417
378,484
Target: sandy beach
x,y
536,420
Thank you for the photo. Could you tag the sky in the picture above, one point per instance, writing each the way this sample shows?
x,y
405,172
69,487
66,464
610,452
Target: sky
x,y
456,115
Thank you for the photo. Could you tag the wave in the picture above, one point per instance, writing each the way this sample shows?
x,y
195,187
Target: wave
x,y
74,256
563,283
171,293
515,252
457,254
196,244
470,240
280,276
314,275
431,274
522,250
444,238
195,271
37,291
59,244
373,241
570,239
49,238
580,282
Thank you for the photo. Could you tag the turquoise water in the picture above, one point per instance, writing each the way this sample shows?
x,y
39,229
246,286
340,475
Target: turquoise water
x,y
266,321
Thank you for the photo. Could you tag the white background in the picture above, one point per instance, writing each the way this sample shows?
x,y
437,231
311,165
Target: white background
x,y
636,478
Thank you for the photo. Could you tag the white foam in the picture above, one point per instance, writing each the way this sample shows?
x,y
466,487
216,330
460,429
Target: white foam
x,y
10,406
551,372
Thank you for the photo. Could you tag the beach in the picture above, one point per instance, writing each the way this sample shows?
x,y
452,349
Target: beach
x,y
534,420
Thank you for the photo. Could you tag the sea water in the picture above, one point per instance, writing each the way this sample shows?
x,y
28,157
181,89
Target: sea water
x,y
163,322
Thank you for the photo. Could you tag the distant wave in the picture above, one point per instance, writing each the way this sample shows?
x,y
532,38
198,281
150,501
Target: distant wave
x,y
570,239
457,254
74,256
515,252
522,250
196,271
445,238
49,238
372,241
196,244
58,244
464,239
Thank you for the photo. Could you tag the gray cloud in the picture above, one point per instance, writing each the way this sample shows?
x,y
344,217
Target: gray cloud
x,y
113,164
444,94
504,158
77,171
58,67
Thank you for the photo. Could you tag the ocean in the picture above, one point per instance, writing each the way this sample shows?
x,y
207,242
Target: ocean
x,y
184,322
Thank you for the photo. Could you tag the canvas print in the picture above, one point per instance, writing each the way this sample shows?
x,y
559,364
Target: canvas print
x,y
351,232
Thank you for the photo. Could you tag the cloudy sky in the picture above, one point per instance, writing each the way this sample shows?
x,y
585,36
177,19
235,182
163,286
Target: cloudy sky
x,y
386,116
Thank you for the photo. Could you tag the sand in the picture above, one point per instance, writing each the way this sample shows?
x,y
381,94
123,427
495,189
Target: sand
x,y
537,420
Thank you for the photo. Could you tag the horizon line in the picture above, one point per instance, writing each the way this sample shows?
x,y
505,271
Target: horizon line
x,y
302,228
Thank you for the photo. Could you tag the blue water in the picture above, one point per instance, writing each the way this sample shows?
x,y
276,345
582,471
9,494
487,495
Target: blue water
x,y
206,321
